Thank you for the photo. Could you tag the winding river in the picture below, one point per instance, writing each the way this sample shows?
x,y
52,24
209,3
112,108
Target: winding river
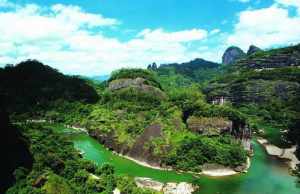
x,y
265,176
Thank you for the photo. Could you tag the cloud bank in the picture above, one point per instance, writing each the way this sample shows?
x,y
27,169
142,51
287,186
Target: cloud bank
x,y
74,41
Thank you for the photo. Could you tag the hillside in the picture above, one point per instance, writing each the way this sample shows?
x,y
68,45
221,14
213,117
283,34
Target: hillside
x,y
154,122
17,155
159,116
154,125
266,87
30,84
198,70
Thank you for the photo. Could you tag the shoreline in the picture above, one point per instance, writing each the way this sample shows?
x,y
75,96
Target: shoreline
x,y
219,172
142,163
282,153
222,172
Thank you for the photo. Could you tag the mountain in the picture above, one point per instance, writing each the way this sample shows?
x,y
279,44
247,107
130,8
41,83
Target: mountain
x,y
266,87
15,150
275,58
187,67
253,49
232,54
182,116
31,84
198,70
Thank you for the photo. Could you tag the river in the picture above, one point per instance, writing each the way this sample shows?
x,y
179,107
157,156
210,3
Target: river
x,y
266,175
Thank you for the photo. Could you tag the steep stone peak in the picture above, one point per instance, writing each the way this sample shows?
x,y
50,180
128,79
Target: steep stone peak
x,y
232,54
253,49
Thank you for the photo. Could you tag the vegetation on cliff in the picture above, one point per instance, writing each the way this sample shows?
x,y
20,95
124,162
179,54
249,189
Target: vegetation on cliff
x,y
153,118
58,168
268,96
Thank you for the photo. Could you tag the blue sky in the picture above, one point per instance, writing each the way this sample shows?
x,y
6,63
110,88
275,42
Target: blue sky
x,y
94,37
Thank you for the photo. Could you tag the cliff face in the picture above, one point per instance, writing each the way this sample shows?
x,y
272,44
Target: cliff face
x,y
139,150
262,76
139,84
253,49
209,125
277,58
232,54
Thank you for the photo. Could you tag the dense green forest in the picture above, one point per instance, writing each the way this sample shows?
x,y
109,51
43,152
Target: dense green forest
x,y
166,116
58,168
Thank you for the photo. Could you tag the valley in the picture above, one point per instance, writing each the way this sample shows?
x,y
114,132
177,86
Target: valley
x,y
195,119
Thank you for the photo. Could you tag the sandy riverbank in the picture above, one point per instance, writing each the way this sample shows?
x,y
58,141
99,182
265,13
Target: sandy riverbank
x,y
142,163
225,171
218,172
288,153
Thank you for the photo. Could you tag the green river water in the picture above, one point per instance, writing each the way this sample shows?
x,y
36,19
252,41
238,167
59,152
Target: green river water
x,y
265,176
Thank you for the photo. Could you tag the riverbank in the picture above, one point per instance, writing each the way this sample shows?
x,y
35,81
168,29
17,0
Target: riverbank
x,y
215,171
220,171
269,168
287,153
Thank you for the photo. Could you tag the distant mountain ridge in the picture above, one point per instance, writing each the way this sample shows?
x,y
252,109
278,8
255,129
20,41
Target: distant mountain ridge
x,y
100,78
266,86
197,70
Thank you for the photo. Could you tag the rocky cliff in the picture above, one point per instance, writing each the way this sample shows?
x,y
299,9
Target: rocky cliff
x,y
232,54
276,58
253,49
165,188
139,150
139,84
209,125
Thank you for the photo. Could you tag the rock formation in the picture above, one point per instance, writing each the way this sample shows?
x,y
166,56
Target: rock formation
x,y
138,83
166,188
139,152
232,54
253,49
209,125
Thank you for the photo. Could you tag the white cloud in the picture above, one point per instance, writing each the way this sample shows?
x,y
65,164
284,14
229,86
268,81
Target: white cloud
x,y
73,41
291,3
214,31
181,36
75,15
265,28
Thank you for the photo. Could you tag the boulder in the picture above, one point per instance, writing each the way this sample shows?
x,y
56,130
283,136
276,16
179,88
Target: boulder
x,y
124,83
178,188
40,181
139,84
116,191
148,183
167,188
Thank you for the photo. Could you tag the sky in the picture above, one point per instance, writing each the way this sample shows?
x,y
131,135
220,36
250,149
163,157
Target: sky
x,y
95,37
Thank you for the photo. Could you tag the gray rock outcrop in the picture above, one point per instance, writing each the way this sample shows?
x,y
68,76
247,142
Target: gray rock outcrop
x,y
139,84
166,188
253,49
232,54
